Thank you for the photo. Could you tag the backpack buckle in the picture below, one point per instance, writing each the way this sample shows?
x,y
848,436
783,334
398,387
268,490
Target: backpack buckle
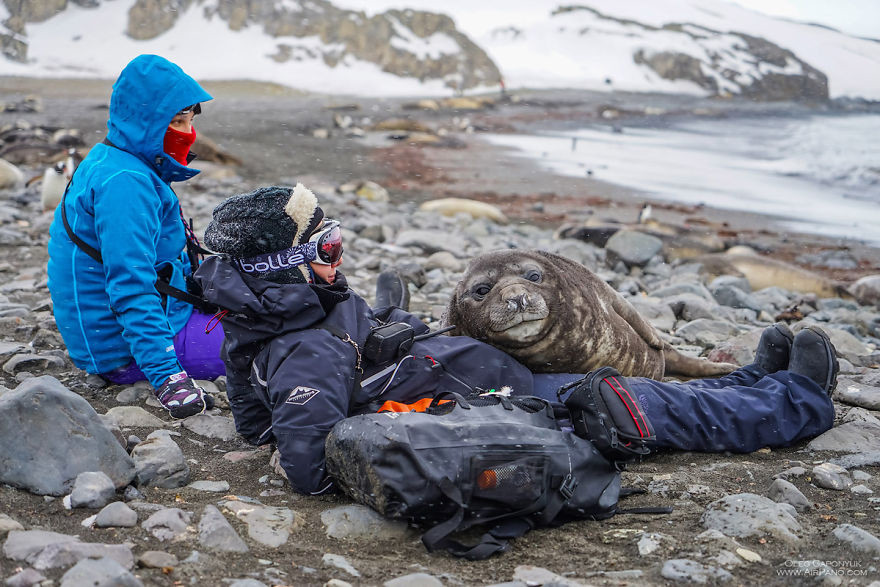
x,y
569,484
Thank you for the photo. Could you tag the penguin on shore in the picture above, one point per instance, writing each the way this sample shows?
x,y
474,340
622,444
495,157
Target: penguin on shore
x,y
55,180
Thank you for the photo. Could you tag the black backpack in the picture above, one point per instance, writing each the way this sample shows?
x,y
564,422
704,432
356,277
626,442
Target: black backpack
x,y
485,460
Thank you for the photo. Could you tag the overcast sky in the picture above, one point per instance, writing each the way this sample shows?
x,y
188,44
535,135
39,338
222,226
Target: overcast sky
x,y
856,17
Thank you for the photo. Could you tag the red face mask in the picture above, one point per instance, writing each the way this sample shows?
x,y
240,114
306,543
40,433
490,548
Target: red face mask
x,y
177,144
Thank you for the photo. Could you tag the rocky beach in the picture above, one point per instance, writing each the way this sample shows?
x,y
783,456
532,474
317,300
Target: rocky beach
x,y
190,503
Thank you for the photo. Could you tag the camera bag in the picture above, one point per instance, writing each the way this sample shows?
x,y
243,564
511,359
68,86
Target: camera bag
x,y
488,460
603,409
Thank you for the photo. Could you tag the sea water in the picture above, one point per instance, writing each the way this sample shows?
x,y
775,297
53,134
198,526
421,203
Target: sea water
x,y
817,174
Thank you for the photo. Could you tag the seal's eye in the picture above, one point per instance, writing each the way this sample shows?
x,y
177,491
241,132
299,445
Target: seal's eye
x,y
534,276
481,290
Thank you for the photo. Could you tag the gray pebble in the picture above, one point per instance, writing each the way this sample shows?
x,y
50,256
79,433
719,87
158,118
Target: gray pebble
x,y
414,580
92,489
784,492
858,539
339,562
156,559
690,571
116,514
103,571
831,476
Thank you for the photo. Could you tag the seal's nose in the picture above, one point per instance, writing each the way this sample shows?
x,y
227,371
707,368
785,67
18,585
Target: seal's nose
x,y
517,299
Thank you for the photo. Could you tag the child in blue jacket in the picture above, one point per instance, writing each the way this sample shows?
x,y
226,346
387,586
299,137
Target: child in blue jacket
x,y
119,228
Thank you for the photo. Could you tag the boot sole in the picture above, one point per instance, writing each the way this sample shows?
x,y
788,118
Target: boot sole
x,y
184,412
831,380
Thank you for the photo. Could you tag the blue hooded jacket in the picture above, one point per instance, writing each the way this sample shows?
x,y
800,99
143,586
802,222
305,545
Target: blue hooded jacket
x,y
120,202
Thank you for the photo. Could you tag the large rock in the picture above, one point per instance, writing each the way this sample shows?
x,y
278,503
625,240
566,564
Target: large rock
x,y
853,392
706,332
858,539
211,426
852,437
691,571
133,417
429,241
49,435
216,533
739,350
51,550
160,462
116,515
100,572
632,247
270,526
167,523
783,491
847,346
92,489
359,522
745,514
659,314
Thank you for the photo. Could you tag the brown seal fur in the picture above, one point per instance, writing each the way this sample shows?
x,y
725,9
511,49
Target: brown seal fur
x,y
555,315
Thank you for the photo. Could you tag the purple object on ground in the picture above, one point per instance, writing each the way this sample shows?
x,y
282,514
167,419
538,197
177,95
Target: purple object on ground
x,y
197,351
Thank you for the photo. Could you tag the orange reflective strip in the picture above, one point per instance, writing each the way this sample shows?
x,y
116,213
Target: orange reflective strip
x,y
419,406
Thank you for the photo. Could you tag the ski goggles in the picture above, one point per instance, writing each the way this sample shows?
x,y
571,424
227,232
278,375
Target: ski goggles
x,y
324,247
328,243
194,108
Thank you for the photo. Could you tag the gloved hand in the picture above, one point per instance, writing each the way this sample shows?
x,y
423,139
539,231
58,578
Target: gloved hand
x,y
182,397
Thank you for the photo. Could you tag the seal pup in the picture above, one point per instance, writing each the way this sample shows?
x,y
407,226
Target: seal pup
x,y
556,316
762,271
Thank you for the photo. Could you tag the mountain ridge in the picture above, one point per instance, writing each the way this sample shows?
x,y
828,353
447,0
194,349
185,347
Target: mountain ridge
x,y
698,47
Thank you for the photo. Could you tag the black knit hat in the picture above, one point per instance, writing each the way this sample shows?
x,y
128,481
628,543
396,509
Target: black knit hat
x,y
266,220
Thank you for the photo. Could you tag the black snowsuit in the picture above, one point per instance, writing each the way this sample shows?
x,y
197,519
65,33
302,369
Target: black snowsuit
x,y
291,376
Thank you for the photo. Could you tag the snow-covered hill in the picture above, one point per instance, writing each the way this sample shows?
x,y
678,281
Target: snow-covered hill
x,y
533,47
691,46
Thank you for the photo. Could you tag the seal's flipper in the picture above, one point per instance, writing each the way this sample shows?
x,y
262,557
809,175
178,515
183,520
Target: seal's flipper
x,y
639,325
686,366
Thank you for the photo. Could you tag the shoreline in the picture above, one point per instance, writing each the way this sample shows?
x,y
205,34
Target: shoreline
x,y
246,117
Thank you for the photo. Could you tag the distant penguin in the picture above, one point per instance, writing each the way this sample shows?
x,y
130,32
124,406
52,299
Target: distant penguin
x,y
645,214
10,175
55,180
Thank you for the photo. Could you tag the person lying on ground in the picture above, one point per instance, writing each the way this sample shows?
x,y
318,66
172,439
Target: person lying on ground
x,y
119,228
297,362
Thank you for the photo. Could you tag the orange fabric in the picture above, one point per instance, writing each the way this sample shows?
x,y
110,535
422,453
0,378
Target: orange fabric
x,y
419,406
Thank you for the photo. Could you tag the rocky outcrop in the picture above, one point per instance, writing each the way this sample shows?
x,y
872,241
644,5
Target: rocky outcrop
x,y
148,19
722,63
407,43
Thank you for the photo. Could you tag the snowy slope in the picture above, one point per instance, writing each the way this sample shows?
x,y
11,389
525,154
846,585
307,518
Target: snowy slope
x,y
83,42
531,47
550,51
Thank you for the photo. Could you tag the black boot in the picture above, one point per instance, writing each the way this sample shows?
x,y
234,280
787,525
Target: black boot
x,y
813,356
774,348
391,290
